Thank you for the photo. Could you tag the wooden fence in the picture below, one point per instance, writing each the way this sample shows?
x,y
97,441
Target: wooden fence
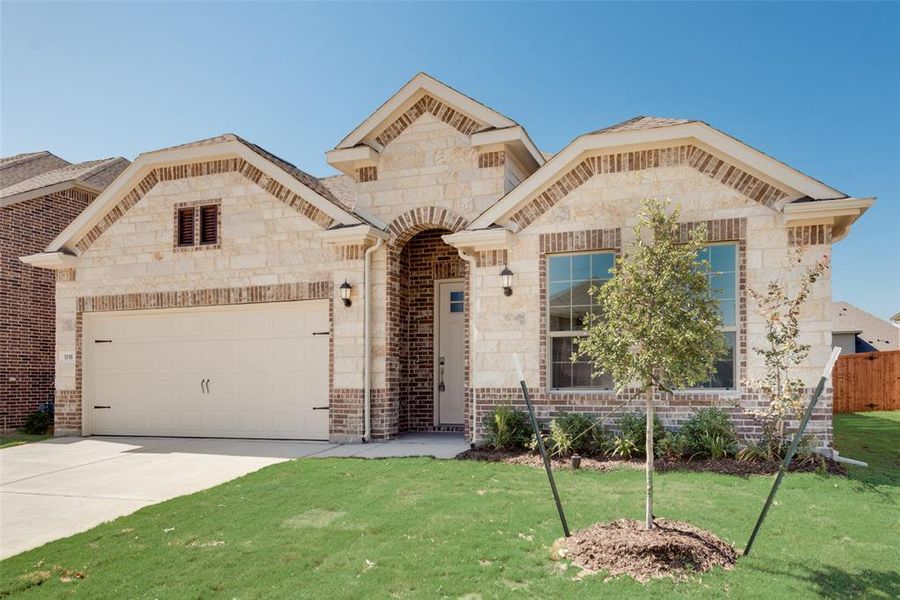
x,y
867,381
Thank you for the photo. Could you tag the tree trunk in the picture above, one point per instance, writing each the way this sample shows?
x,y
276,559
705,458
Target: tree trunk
x,y
648,519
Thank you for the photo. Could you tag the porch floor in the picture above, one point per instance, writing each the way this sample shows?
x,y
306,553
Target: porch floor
x,y
432,443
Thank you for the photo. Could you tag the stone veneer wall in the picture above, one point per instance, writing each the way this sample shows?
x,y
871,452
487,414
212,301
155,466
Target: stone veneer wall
x,y
27,301
611,201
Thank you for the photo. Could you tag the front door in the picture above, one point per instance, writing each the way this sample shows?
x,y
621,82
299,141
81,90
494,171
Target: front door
x,y
451,311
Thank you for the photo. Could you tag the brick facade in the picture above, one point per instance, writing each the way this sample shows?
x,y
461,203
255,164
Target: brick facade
x,y
27,301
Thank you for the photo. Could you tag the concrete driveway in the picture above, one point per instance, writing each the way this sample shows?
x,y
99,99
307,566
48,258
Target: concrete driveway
x,y
53,489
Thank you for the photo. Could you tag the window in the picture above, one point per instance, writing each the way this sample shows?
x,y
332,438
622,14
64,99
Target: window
x,y
457,302
185,231
209,228
723,284
197,226
569,277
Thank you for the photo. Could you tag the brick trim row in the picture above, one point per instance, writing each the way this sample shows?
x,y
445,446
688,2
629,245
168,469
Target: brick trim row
x,y
198,169
429,104
684,155
364,174
491,258
487,160
809,235
69,402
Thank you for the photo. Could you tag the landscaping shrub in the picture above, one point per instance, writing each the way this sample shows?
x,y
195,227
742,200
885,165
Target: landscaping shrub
x,y
633,430
671,446
37,423
709,433
507,429
575,433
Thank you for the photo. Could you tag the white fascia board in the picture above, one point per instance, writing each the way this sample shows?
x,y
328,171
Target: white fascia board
x,y
713,139
47,190
515,136
496,238
144,163
49,260
421,82
357,154
826,209
355,234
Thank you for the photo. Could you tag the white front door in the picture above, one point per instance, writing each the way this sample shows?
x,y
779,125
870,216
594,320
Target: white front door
x,y
451,307
247,371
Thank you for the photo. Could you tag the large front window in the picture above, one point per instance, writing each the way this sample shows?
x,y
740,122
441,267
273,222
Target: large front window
x,y
723,281
569,278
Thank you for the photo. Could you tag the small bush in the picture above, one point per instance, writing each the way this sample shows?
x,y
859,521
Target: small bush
x,y
507,429
634,429
623,447
709,433
575,433
37,423
671,446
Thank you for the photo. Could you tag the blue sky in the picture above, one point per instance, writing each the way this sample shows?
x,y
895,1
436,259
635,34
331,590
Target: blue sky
x,y
815,85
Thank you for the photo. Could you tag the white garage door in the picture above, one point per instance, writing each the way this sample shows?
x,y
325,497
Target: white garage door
x,y
249,371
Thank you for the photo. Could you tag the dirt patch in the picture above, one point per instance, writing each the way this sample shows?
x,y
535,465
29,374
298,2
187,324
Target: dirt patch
x,y
726,466
624,547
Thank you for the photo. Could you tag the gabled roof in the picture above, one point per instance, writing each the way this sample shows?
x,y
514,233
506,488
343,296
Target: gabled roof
x,y
290,181
20,167
18,158
878,333
644,132
413,90
92,175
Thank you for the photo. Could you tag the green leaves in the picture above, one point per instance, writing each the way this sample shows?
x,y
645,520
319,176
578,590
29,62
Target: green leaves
x,y
660,323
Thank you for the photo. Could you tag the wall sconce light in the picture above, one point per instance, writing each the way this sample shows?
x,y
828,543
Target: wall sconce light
x,y
506,281
345,293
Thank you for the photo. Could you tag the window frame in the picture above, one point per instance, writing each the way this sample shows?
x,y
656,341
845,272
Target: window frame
x,y
550,335
735,329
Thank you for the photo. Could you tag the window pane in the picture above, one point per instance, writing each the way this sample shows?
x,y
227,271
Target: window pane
x,y
580,292
562,349
722,286
727,308
560,318
581,375
578,313
601,264
560,268
560,294
723,377
456,296
457,307
721,257
561,375
581,267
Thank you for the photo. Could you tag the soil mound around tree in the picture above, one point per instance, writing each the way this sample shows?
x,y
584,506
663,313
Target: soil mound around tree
x,y
624,547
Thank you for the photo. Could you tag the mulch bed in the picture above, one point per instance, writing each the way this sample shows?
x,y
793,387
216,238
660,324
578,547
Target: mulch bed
x,y
624,547
726,466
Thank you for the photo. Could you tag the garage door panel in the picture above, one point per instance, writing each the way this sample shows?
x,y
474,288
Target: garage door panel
x,y
264,367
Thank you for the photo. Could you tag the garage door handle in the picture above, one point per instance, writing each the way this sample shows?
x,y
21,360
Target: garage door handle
x,y
95,406
321,332
321,407
103,341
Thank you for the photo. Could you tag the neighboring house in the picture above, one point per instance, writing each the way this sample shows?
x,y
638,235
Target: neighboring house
x,y
40,194
202,293
855,330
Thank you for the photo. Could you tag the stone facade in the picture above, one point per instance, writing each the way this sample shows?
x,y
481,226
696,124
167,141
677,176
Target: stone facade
x,y
26,301
430,181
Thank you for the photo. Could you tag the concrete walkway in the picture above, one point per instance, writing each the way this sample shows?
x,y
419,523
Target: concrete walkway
x,y
53,489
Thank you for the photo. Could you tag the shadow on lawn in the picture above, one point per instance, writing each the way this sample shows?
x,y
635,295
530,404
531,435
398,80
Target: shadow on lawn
x,y
837,584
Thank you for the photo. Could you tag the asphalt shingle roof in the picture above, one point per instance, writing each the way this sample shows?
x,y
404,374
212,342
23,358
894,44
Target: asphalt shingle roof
x,y
96,173
641,122
879,333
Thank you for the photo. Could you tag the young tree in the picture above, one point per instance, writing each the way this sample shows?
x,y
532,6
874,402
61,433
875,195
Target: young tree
x,y
782,352
659,324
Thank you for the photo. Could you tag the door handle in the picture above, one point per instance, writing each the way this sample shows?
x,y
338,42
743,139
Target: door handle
x,y
207,386
95,406
321,407
204,386
441,386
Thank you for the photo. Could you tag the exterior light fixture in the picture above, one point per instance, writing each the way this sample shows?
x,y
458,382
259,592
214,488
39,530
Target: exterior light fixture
x,y
506,281
345,293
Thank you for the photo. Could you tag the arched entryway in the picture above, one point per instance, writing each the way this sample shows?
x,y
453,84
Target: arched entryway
x,y
427,324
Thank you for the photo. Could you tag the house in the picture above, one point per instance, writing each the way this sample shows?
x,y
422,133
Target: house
x,y
40,194
856,330
214,289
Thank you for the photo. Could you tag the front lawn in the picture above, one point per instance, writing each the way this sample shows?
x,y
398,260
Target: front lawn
x,y
341,528
17,438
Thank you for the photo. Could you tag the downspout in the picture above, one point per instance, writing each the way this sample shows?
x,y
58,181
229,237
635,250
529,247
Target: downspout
x,y
471,260
367,334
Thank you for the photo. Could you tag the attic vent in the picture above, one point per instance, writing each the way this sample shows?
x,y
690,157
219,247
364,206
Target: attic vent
x,y
209,224
185,227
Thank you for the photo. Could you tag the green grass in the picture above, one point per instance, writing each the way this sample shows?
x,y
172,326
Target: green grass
x,y
873,437
17,438
420,528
